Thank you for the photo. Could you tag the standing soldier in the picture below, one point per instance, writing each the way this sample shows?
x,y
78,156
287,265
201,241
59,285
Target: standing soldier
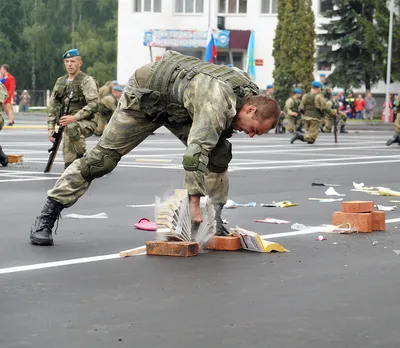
x,y
396,136
79,124
313,107
292,111
329,119
107,106
3,98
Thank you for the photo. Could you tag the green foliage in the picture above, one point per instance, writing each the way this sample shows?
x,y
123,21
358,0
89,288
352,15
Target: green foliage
x,y
293,47
35,33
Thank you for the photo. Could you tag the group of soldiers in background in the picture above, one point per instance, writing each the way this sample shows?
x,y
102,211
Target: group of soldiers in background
x,y
317,110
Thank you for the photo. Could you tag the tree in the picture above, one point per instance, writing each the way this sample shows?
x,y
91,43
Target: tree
x,y
358,33
293,47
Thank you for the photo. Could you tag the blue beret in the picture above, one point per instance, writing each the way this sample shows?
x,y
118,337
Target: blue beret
x,y
115,82
270,86
71,53
316,84
334,94
298,90
322,75
117,88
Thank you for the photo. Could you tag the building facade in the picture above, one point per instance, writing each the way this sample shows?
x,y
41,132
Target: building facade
x,y
146,28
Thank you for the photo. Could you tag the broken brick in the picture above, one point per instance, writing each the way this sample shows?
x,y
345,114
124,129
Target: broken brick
x,y
362,222
357,207
165,248
378,221
224,243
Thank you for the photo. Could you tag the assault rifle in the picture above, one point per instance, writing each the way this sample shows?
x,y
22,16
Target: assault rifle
x,y
335,124
57,137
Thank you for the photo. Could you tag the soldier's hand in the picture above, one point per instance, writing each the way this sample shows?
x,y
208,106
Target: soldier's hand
x,y
295,114
195,211
67,119
50,133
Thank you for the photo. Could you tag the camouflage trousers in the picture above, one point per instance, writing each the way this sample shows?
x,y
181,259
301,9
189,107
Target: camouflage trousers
x,y
397,124
329,122
1,121
311,125
293,123
101,121
74,145
126,130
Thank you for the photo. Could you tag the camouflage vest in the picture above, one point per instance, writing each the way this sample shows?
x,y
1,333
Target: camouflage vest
x,y
296,104
310,109
63,88
173,73
335,105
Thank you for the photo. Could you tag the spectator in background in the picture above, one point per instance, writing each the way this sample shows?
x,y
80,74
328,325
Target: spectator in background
x,y
25,100
349,101
16,102
10,86
359,106
395,100
391,115
370,105
349,111
341,100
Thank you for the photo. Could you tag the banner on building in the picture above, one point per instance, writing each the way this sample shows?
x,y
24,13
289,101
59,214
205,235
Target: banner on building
x,y
184,38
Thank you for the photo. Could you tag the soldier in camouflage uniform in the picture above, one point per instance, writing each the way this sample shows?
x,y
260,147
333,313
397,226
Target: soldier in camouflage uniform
x,y
292,111
200,103
3,98
333,104
79,124
313,107
396,136
107,106
107,88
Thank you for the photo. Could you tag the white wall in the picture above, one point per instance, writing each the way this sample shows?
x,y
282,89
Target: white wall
x,y
132,25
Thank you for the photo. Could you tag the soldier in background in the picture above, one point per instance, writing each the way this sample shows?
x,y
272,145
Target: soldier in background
x,y
107,106
396,136
313,107
270,91
79,124
333,104
292,111
3,98
107,88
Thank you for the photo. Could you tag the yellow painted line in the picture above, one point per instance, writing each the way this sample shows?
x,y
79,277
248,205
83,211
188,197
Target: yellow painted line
x,y
26,127
154,160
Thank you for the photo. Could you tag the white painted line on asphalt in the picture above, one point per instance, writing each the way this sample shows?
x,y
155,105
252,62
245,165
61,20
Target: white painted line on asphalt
x,y
27,179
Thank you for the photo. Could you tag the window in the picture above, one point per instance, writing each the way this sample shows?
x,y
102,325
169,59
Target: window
x,y
321,63
269,6
325,5
223,58
189,6
146,5
232,6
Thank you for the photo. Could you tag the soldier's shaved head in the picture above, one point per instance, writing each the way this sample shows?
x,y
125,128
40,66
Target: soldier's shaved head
x,y
266,108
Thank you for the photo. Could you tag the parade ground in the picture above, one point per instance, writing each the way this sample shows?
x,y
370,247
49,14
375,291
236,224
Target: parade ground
x,y
336,293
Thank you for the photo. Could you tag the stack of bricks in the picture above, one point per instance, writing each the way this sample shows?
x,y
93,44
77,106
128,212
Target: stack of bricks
x,y
361,216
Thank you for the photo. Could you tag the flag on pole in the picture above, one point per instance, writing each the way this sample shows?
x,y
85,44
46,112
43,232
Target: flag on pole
x,y
251,68
211,49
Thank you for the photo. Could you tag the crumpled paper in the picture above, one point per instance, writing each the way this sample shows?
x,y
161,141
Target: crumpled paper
x,y
78,216
283,204
326,200
273,221
230,204
332,192
385,208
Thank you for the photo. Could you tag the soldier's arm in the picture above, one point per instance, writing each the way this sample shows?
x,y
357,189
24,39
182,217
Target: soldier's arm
x,y
91,93
55,106
288,107
301,106
321,104
210,119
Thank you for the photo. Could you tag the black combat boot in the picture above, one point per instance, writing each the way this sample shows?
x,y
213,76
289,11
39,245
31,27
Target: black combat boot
x,y
342,130
221,230
3,158
41,230
321,129
296,136
395,139
299,129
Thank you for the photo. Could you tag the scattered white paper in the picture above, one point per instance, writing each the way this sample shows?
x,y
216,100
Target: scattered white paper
x,y
273,221
140,205
326,200
397,252
332,192
78,216
386,208
358,186
230,204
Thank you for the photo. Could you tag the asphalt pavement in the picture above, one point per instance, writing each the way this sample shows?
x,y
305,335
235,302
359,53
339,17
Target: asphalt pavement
x,y
340,292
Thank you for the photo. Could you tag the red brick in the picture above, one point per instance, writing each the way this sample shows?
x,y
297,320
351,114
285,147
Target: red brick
x,y
15,158
360,221
224,243
358,207
378,221
165,248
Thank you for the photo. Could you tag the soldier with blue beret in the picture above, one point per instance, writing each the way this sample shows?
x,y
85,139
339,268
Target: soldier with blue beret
x,y
292,111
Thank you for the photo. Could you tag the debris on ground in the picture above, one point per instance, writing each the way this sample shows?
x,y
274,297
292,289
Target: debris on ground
x,y
273,221
326,200
283,204
140,205
385,208
78,216
230,204
397,252
375,242
321,238
341,229
252,241
322,184
146,225
332,192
